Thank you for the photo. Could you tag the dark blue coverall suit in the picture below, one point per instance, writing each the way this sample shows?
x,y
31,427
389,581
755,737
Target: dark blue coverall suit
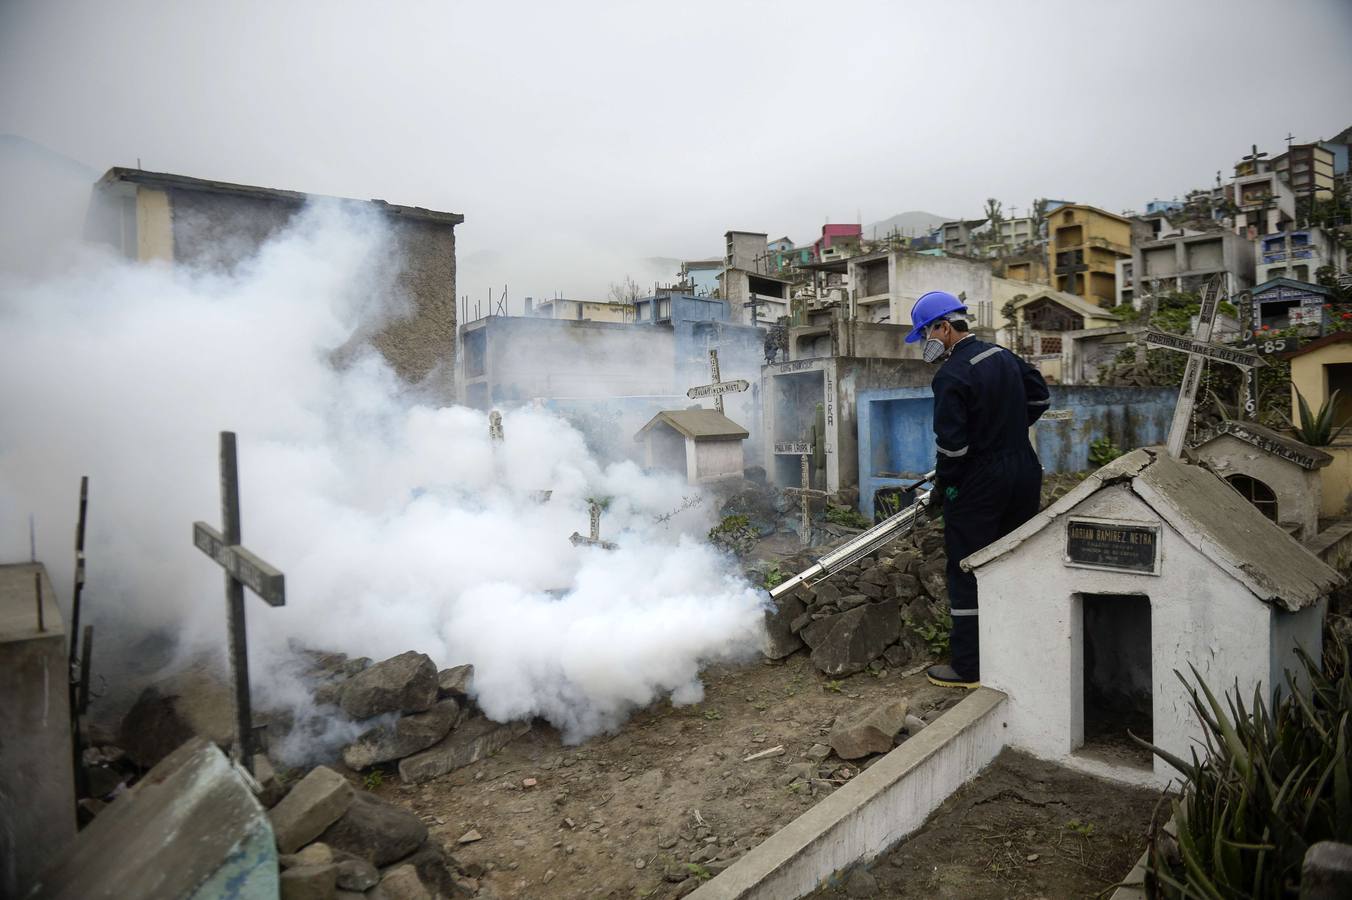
x,y
985,399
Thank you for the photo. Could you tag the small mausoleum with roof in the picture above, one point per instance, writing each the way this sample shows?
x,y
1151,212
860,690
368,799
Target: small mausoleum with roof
x,y
1278,474
703,444
1149,567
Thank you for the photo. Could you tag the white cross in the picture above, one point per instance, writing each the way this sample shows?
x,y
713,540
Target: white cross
x,y
1199,348
718,388
578,540
805,495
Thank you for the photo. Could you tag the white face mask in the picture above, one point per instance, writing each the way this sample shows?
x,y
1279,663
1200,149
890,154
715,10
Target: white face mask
x,y
933,350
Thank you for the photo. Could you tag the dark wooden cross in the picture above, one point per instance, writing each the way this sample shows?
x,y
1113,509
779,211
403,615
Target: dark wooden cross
x,y
595,540
242,569
805,495
1253,157
754,304
718,387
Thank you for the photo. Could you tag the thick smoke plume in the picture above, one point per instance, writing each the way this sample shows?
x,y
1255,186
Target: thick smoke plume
x,y
398,523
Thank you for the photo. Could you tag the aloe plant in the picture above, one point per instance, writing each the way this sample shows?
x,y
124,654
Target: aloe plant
x,y
1317,429
1272,782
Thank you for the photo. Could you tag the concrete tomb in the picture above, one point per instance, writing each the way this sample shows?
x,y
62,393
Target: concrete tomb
x,y
1277,474
702,444
191,829
37,799
1148,567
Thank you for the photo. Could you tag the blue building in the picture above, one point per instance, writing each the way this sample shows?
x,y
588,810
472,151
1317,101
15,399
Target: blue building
x,y
896,435
1162,206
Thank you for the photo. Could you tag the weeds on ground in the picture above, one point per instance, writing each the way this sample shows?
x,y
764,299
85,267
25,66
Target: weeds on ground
x,y
834,686
935,634
847,516
374,779
773,577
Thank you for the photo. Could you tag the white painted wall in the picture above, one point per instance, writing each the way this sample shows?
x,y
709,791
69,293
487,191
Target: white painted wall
x,y
1032,647
711,460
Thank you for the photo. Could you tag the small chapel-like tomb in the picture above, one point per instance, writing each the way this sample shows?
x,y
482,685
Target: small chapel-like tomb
x,y
1146,568
702,444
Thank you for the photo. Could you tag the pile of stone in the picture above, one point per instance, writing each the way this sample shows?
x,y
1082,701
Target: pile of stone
x,y
339,843
879,613
420,719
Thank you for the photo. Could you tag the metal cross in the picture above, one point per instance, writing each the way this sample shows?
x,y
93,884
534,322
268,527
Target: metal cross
x,y
805,495
718,388
242,569
578,540
1198,349
1253,157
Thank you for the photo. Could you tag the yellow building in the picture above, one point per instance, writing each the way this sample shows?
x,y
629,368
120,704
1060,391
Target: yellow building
x,y
1083,247
589,310
1317,370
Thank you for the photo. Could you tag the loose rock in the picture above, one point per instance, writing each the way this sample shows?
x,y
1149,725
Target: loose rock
x,y
781,638
309,882
455,681
861,885
315,803
404,683
401,883
869,731
376,831
405,737
355,874
852,639
474,740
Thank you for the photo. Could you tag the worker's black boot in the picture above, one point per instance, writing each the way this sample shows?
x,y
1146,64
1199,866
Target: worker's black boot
x,y
947,676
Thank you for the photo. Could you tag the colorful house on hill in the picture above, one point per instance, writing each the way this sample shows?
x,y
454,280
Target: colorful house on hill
x,y
1083,247
1319,369
1285,302
837,242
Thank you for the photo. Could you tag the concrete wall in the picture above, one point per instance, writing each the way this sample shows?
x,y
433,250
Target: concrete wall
x,y
896,430
914,275
712,460
836,383
37,783
1309,377
526,358
1032,647
154,226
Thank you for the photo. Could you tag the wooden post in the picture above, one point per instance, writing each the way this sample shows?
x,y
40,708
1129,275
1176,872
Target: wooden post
x,y
805,495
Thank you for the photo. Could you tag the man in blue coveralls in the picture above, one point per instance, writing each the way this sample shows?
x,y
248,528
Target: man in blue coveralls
x,y
988,480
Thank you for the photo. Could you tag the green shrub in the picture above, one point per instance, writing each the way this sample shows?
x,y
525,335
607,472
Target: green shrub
x,y
1271,784
847,516
1317,429
1103,451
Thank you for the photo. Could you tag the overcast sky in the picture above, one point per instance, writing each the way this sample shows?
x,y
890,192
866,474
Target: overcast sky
x,y
580,138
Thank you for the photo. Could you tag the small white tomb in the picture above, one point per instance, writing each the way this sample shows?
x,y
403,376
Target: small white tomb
x,y
1147,567
1277,474
703,444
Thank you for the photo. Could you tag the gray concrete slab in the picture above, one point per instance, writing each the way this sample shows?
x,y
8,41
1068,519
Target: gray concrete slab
x,y
37,778
190,830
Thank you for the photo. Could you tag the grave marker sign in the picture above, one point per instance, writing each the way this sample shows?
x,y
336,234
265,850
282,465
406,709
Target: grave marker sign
x,y
242,568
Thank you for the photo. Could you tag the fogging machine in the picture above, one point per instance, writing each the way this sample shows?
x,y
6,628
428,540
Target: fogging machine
x,y
856,548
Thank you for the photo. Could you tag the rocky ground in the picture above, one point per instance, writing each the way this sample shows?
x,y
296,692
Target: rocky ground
x,y
1023,829
668,801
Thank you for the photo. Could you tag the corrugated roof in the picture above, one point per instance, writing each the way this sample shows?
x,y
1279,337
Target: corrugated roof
x,y
1208,514
700,424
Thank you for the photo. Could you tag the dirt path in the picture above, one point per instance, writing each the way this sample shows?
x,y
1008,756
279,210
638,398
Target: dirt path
x,y
1024,828
624,815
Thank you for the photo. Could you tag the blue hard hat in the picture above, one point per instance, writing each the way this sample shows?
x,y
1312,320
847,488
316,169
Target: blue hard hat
x,y
929,309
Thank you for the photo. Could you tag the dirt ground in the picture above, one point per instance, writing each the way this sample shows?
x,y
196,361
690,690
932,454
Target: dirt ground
x,y
623,815
1023,828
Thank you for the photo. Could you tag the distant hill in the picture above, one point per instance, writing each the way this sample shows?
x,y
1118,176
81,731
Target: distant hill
x,y
914,222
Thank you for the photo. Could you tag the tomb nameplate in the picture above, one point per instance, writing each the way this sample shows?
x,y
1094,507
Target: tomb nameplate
x,y
792,448
1117,546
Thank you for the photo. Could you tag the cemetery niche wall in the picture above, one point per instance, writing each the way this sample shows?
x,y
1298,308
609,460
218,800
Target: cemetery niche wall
x,y
1147,567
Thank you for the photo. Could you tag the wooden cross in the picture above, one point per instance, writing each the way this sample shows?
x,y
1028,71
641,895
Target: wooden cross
x,y
1198,349
242,569
805,495
754,304
718,388
578,540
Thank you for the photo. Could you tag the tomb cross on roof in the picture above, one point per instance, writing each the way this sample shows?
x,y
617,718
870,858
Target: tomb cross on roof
x,y
805,495
717,388
1198,349
242,568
